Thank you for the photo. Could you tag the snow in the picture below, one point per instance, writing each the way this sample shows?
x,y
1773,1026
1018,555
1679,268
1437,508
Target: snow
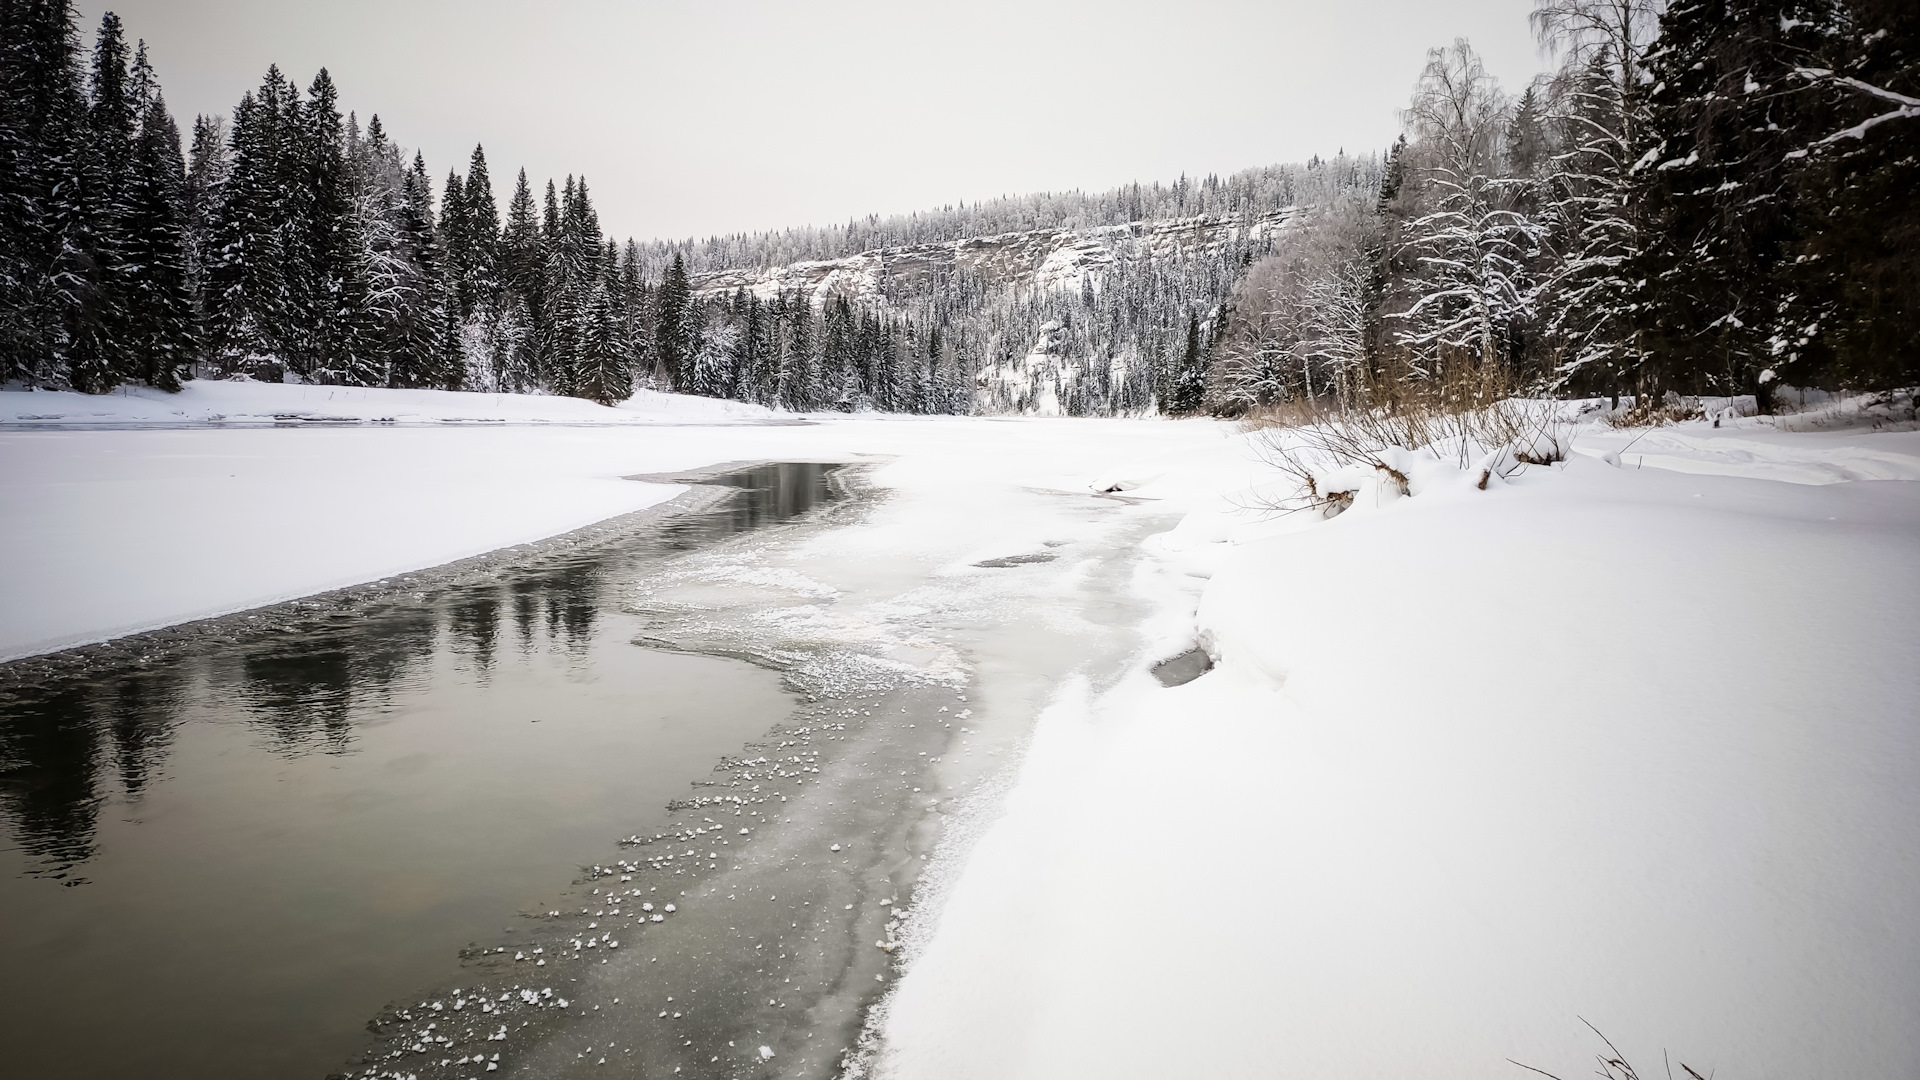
x,y
125,526
1628,739
1634,744
207,401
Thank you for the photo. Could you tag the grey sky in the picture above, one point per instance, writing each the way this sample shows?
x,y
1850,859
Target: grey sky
x,y
690,118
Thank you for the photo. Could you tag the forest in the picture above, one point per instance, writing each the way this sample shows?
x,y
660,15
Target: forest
x,y
1706,196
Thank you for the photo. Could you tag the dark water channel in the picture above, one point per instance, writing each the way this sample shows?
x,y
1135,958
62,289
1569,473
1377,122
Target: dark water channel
x,y
223,863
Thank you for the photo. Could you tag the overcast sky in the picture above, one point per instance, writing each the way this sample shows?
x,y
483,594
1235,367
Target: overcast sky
x,y
705,116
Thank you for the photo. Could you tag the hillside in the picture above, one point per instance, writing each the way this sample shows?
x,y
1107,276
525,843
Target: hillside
x,y
1095,311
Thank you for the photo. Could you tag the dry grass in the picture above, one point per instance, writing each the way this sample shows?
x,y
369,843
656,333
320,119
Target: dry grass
x,y
1614,1065
1648,413
1466,415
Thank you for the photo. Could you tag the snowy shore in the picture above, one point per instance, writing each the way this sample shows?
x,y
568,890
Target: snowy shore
x,y
1629,741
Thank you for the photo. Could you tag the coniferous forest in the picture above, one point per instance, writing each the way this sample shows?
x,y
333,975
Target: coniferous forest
x,y
1703,196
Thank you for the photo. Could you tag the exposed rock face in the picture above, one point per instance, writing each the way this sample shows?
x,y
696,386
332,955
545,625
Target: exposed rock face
x,y
1031,262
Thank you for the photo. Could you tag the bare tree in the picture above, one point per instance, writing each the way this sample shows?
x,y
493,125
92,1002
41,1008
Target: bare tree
x,y
1596,223
1468,243
1299,317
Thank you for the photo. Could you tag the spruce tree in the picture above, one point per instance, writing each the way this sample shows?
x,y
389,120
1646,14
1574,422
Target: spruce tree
x,y
454,247
250,305
1857,280
799,372
1189,386
1720,213
416,316
520,272
479,280
671,340
328,320
159,312
207,167
96,354
46,287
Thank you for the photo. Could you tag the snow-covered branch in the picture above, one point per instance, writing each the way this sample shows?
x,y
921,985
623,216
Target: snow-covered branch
x,y
1908,107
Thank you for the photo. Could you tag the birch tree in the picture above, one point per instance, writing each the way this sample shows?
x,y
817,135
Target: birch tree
x,y
1466,244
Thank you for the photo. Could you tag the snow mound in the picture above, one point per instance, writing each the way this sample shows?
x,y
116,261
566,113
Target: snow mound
x,y
1629,744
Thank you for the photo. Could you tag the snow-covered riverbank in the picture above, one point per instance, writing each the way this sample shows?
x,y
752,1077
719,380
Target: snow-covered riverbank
x,y
1630,744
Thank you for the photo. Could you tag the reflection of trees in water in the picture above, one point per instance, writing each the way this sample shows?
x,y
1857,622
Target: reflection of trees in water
x,y
144,711
767,494
55,745
305,689
473,622
573,604
64,747
559,607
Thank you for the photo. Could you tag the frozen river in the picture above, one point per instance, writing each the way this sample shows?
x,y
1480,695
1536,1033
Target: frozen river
x,y
654,796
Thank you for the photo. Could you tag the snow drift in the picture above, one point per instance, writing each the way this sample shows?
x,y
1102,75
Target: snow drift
x,y
1632,745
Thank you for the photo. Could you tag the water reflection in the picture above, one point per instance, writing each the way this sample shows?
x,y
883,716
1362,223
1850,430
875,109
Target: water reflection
x,y
68,746
303,690
62,751
775,492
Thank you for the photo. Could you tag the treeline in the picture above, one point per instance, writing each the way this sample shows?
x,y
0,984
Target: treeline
x,y
1126,325
784,353
1710,197
1243,195
291,244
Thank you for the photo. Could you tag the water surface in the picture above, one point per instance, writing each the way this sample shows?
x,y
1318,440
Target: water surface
x,y
224,863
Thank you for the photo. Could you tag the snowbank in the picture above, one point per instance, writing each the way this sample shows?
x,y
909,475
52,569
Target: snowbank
x,y
129,527
1629,743
205,401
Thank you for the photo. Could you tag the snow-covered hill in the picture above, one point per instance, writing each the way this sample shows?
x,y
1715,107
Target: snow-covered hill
x,y
1051,321
1039,260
